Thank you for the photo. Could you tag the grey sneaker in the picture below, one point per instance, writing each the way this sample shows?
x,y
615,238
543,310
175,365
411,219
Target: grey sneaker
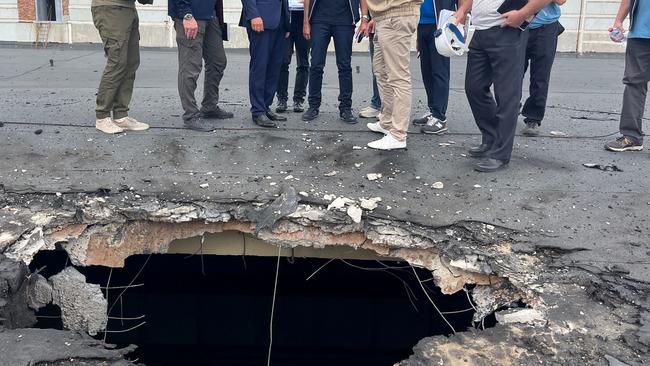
x,y
422,120
131,124
531,129
434,126
199,124
623,144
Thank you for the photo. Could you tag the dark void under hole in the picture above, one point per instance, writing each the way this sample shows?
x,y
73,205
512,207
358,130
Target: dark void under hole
x,y
343,315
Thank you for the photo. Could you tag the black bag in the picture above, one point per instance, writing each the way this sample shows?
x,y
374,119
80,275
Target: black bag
x,y
146,2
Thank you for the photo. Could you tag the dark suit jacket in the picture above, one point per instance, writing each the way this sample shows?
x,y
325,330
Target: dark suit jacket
x,y
269,10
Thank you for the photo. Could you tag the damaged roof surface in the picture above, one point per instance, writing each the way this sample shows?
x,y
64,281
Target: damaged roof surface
x,y
592,223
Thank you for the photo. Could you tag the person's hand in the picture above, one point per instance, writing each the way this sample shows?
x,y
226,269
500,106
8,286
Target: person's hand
x,y
618,24
363,27
370,28
459,18
514,18
306,31
191,28
257,24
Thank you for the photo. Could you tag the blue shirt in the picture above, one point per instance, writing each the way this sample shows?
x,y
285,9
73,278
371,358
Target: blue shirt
x,y
550,14
641,27
427,12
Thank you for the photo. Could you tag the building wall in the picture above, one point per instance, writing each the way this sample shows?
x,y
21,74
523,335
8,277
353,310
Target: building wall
x,y
586,23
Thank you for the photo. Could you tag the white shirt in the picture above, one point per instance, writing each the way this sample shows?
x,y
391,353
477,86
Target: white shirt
x,y
485,15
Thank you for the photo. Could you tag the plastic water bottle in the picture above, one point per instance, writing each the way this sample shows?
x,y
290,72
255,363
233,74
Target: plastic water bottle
x,y
616,35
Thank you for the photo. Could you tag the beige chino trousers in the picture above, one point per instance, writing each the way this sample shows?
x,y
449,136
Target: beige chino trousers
x,y
392,61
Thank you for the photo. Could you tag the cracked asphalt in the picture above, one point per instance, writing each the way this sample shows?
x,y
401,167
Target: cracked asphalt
x,y
599,219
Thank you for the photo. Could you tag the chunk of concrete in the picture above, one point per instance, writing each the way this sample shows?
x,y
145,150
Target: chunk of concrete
x,y
355,213
523,316
39,292
83,306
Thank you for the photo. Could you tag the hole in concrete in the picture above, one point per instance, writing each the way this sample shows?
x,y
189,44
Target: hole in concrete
x,y
215,309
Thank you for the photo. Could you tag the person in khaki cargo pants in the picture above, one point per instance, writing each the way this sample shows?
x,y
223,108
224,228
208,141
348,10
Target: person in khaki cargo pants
x,y
394,22
117,23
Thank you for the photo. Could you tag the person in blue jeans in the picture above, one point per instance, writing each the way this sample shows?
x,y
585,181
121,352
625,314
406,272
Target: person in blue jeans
x,y
434,67
541,47
326,20
636,75
373,110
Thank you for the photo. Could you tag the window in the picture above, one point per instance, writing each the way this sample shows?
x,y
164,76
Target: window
x,y
49,11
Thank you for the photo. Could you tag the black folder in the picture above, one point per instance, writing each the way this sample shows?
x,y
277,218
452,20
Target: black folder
x,y
510,5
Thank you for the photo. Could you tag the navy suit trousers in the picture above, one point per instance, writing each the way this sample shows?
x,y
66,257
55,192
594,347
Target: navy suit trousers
x,y
267,52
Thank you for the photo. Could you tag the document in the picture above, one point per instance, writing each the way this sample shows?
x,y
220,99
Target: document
x,y
296,5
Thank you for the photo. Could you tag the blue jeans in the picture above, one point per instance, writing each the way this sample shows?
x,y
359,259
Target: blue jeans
x,y
320,39
375,102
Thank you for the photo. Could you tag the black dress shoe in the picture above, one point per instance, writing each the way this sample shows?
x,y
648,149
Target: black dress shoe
x,y
297,107
263,121
281,106
479,151
310,114
217,113
199,124
275,117
347,117
488,165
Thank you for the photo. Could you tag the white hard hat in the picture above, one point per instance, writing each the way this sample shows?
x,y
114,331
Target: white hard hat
x,y
450,41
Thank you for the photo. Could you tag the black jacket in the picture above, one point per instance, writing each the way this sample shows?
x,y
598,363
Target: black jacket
x,y
200,9
354,8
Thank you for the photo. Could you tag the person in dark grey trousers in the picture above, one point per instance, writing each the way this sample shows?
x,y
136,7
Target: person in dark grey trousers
x,y
302,46
496,57
198,25
637,74
540,54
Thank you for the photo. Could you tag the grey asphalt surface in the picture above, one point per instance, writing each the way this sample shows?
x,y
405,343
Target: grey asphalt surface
x,y
545,193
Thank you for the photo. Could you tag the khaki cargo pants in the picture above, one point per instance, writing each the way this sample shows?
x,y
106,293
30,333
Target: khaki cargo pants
x,y
118,28
392,68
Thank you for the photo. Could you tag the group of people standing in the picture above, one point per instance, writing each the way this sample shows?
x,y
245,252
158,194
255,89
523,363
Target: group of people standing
x,y
500,52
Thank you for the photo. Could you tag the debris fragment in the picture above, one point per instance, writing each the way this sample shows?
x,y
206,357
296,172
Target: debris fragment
x,y
329,197
355,213
331,174
340,202
38,132
204,185
605,168
288,177
478,186
526,316
373,176
370,203
304,194
438,185
356,148
83,306
444,144
558,133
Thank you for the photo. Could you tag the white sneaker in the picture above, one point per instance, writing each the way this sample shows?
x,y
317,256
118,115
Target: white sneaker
x,y
387,142
107,125
131,124
376,127
369,112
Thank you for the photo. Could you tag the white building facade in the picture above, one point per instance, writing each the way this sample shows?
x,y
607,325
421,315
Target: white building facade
x,y
70,21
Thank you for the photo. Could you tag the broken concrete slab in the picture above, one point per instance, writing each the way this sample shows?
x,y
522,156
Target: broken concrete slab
x,y
39,293
14,290
27,347
523,316
83,306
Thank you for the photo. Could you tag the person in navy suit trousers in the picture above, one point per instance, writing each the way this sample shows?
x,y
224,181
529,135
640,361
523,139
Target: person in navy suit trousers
x,y
266,22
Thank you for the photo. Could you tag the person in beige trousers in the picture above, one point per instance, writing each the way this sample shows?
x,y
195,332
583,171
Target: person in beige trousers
x,y
394,22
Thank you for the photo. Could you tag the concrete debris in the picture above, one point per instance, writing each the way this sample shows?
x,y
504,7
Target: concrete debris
x,y
284,205
39,293
329,197
370,203
355,213
373,176
303,193
524,316
331,174
29,347
613,361
204,185
14,312
83,306
558,133
438,185
339,203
